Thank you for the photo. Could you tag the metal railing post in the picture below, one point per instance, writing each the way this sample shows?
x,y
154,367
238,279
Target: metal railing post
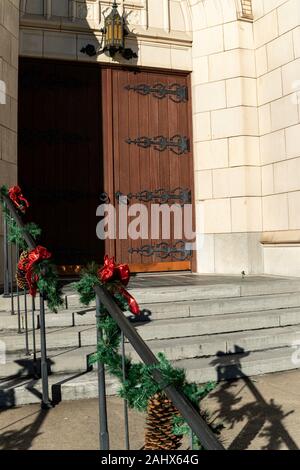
x,y
10,275
198,425
103,431
33,337
18,295
46,404
6,292
126,421
26,323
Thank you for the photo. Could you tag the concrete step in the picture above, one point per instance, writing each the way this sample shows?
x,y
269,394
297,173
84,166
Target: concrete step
x,y
25,391
169,310
83,386
244,304
6,303
61,361
248,286
64,318
206,287
226,343
238,365
72,360
57,338
209,325
78,336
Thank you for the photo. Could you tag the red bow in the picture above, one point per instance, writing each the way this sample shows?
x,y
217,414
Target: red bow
x,y
34,256
114,272
118,272
18,199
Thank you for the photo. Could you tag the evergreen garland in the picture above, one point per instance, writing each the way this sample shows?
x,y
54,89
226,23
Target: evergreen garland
x,y
47,279
16,233
47,283
139,385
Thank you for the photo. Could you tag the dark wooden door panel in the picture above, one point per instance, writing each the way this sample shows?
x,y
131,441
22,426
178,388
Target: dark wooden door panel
x,y
137,115
60,155
72,114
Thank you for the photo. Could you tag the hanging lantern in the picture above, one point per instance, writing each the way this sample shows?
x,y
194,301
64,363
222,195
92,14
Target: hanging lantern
x,y
114,33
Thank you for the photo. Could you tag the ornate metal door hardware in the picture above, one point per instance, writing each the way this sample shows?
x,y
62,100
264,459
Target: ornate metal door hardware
x,y
177,144
179,251
160,196
177,93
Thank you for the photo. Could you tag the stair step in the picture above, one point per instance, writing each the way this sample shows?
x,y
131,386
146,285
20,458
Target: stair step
x,y
67,361
67,337
57,338
238,365
212,287
230,305
209,289
287,304
212,345
61,387
197,326
222,323
64,318
62,361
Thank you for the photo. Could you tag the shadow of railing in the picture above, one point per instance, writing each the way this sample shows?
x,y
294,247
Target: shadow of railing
x,y
264,419
22,438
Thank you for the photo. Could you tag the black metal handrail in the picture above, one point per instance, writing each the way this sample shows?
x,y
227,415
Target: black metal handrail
x,y
197,424
8,290
14,213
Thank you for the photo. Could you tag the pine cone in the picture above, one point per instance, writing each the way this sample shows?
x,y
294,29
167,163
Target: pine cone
x,y
159,424
20,274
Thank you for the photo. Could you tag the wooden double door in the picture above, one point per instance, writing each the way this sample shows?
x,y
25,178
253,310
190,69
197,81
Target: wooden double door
x,y
89,133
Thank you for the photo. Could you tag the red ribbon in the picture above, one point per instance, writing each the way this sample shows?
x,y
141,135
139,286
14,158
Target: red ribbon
x,y
18,199
34,256
132,303
114,272
118,272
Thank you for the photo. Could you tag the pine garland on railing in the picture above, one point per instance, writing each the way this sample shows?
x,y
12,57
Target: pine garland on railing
x,y
16,233
139,386
38,270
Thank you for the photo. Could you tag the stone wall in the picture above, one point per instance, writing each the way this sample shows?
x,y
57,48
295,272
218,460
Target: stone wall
x,y
227,155
277,44
214,40
244,57
9,43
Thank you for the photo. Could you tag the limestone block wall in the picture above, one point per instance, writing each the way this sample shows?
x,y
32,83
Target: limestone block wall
x,y
214,40
9,45
244,57
277,44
